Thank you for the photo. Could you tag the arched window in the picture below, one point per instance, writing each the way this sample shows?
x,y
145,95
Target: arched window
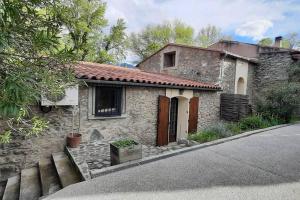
x,y
241,86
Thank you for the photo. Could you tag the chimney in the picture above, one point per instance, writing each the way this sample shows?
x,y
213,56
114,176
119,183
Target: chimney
x,y
278,42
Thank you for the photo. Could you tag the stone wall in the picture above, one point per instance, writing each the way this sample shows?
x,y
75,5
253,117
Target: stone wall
x,y
228,75
209,108
250,82
139,120
23,153
272,69
191,63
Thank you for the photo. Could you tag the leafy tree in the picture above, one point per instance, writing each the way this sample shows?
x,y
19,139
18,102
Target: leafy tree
x,y
291,40
266,42
85,23
30,63
280,100
154,37
209,35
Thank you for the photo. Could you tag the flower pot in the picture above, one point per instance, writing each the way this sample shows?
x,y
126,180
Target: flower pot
x,y
120,155
73,140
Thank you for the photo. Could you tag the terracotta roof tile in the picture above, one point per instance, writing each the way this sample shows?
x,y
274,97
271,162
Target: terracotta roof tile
x,y
95,71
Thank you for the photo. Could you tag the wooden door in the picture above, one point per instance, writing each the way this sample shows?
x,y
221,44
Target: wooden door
x,y
163,120
173,120
193,115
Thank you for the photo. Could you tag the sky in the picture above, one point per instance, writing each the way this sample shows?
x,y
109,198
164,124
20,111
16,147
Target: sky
x,y
244,20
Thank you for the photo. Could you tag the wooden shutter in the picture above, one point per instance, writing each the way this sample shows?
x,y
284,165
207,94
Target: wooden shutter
x,y
193,114
163,120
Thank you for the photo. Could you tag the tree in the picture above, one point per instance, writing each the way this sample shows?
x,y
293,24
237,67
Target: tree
x,y
209,35
266,42
291,41
85,24
30,64
154,37
281,100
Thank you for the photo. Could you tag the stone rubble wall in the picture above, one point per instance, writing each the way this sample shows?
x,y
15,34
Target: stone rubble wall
x,y
209,108
139,122
191,63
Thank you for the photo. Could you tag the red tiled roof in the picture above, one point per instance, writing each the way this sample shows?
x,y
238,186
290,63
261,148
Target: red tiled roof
x,y
104,72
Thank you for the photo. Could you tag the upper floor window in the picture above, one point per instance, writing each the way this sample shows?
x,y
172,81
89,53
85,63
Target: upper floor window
x,y
169,59
108,101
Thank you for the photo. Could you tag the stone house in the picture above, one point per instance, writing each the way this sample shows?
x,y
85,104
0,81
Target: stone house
x,y
239,68
234,73
152,108
273,61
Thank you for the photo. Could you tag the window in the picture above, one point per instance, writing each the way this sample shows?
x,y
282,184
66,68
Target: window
x,y
169,59
108,101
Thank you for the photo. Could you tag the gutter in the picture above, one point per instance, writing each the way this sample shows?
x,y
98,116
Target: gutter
x,y
97,82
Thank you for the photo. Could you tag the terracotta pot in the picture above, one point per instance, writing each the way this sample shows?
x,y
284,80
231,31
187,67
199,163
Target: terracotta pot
x,y
73,140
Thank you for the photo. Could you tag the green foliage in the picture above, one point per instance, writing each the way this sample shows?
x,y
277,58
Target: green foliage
x,y
294,72
31,62
85,23
154,37
223,130
209,35
205,136
5,137
266,42
234,128
253,122
280,101
124,143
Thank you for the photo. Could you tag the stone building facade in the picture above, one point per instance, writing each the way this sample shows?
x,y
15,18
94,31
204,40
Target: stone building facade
x,y
207,65
138,120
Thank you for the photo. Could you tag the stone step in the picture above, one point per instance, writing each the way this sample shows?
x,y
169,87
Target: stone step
x,y
66,170
2,188
30,187
12,188
49,177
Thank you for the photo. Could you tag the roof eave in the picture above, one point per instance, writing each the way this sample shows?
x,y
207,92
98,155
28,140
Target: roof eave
x,y
149,85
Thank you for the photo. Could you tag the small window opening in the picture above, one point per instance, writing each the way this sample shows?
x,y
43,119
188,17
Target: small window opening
x,y
169,59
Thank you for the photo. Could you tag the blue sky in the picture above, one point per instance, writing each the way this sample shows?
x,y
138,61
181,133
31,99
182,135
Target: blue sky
x,y
245,20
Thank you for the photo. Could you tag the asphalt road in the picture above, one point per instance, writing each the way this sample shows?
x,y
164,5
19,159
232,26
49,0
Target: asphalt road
x,y
261,166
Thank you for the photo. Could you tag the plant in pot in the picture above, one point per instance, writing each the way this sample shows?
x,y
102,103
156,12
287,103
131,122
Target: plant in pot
x,y
124,150
73,138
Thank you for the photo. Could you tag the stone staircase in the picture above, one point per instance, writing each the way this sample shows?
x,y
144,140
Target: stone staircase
x,y
49,176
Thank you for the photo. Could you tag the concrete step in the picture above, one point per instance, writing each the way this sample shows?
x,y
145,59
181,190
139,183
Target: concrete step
x,y
66,170
12,188
2,188
30,187
49,177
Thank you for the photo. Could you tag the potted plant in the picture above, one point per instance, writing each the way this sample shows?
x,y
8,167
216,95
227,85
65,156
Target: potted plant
x,y
73,138
124,150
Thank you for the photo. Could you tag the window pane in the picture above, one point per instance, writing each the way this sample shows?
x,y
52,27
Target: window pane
x,y
108,101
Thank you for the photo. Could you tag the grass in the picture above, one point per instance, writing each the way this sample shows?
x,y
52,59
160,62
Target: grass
x,y
222,130
124,143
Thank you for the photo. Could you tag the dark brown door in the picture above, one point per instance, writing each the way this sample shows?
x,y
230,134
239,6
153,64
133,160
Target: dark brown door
x,y
163,120
173,120
193,114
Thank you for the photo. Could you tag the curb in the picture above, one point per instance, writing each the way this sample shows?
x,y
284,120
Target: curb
x,y
108,170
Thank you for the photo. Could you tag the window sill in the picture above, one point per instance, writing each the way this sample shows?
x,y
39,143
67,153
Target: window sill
x,y
173,67
93,117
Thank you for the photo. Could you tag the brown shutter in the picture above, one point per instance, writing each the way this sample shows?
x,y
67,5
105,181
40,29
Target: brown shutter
x,y
193,114
163,120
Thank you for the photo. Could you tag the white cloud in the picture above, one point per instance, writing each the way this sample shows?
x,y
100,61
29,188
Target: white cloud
x,y
231,16
255,29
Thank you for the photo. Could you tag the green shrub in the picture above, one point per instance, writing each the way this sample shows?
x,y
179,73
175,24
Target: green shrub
x,y
279,100
204,136
253,122
219,129
234,128
124,143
